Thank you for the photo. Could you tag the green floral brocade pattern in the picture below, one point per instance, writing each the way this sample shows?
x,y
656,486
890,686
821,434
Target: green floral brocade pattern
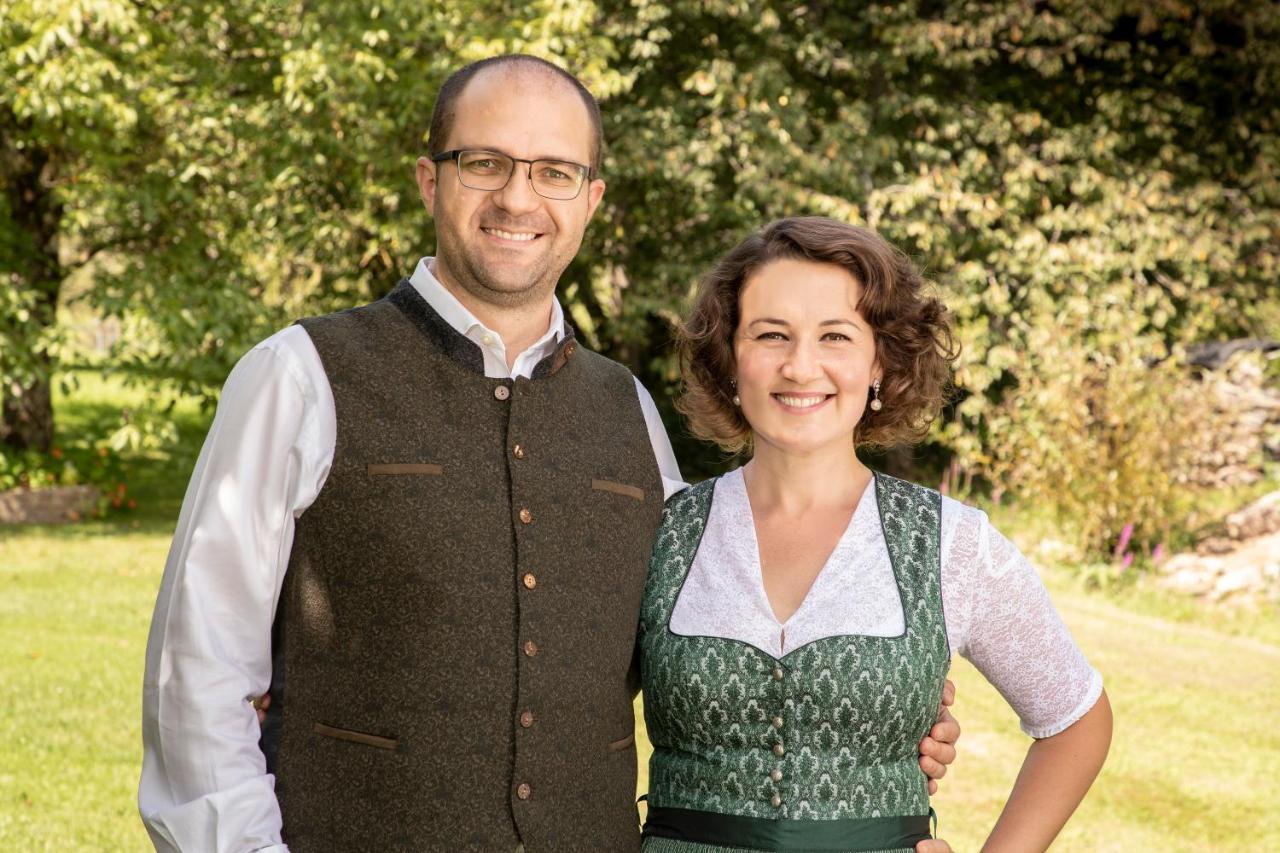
x,y
852,708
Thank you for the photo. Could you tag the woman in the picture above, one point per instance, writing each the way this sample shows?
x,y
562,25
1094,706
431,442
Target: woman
x,y
801,611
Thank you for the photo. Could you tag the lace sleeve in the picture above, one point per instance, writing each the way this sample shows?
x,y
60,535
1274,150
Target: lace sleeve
x,y
1000,618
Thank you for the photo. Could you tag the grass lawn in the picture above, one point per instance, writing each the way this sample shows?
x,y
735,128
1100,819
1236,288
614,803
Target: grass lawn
x,y
1193,692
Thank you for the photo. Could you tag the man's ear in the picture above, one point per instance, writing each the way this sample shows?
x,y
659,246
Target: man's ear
x,y
425,173
595,192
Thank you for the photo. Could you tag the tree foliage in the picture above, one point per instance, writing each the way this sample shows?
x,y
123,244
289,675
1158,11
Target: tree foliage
x,y
1104,170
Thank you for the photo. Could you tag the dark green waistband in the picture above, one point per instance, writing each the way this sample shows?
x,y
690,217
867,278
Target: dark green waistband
x,y
758,833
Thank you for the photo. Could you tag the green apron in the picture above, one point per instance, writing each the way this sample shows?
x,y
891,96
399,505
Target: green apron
x,y
815,751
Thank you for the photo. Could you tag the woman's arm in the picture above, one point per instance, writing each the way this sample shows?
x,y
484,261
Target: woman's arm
x,y
1055,775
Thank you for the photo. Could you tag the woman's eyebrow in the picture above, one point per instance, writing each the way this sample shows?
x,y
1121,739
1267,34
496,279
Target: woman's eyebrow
x,y
772,320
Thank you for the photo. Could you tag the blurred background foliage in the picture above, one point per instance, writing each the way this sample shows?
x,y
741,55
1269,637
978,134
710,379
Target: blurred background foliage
x,y
1092,185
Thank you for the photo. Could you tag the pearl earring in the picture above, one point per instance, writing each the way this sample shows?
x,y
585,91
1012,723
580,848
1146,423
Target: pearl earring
x,y
733,383
876,405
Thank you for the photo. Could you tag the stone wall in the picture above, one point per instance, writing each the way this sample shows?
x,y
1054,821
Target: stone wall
x,y
1246,405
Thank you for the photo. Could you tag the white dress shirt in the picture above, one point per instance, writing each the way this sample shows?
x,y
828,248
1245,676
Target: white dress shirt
x,y
204,784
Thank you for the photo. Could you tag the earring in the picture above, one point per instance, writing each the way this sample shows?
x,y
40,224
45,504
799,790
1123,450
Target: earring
x,y
733,383
876,405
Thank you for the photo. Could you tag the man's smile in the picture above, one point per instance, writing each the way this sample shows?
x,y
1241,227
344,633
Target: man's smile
x,y
506,236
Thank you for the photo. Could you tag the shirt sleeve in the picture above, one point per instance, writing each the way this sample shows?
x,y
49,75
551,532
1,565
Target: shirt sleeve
x,y
1000,618
204,784
672,482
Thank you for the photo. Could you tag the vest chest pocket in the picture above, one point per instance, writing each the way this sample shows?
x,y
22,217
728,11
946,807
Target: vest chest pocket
x,y
402,469
616,488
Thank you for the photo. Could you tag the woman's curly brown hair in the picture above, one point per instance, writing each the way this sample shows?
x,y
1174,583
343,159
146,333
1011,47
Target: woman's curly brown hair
x,y
914,342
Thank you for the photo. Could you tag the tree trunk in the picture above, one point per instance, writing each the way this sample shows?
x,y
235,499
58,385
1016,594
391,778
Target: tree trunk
x,y
27,177
26,418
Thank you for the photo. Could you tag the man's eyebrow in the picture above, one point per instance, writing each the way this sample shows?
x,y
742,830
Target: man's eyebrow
x,y
492,150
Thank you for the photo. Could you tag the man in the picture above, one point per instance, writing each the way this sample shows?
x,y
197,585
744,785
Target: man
x,y
424,525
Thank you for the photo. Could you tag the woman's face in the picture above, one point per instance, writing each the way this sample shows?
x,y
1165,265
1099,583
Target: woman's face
x,y
806,357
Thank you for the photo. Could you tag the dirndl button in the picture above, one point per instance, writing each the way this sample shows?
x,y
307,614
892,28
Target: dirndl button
x,y
776,801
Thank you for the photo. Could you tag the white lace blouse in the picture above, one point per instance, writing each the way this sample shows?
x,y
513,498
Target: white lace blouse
x,y
997,612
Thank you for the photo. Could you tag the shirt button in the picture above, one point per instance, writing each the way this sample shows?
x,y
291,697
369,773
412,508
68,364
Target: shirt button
x,y
526,720
487,339
779,750
776,775
530,648
776,801
525,515
518,451
777,673
524,792
777,722
502,392
529,580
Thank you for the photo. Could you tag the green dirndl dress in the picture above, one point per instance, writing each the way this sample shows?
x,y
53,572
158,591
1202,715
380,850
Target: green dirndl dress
x,y
813,751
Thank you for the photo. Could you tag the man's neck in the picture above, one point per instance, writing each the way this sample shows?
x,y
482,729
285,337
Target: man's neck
x,y
519,326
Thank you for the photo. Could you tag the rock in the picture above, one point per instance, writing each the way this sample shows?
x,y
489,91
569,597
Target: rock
x,y
55,505
1244,574
1215,545
1190,581
1257,519
1239,579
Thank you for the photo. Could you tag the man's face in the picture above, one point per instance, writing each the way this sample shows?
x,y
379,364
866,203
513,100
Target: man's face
x,y
508,247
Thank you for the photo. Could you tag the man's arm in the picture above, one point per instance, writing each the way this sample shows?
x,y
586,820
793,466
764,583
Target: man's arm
x,y
204,784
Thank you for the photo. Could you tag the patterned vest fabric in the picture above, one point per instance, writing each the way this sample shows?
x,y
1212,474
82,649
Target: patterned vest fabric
x,y
455,639
832,729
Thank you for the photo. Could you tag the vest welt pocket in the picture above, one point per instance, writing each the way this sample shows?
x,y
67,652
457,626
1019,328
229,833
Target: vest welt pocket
x,y
355,737
619,745
391,469
618,489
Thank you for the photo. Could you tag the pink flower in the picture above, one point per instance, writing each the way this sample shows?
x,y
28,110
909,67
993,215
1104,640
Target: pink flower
x,y
1125,536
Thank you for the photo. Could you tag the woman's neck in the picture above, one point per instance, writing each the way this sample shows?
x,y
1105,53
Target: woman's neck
x,y
794,483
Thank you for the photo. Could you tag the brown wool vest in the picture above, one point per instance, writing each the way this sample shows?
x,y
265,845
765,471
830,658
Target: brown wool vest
x,y
455,637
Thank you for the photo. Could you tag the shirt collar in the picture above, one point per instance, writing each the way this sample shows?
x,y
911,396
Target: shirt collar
x,y
463,321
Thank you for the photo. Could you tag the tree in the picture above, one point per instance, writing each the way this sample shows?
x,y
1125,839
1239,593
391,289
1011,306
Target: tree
x,y
1106,168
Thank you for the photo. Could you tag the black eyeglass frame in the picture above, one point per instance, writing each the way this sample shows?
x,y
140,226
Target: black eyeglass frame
x,y
588,174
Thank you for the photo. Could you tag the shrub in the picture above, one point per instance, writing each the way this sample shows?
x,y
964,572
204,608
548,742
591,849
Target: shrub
x,y
1103,440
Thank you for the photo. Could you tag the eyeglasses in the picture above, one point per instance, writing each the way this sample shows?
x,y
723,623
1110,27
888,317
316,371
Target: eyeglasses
x,y
478,169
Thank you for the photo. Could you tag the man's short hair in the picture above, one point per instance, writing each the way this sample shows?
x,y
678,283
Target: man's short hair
x,y
447,99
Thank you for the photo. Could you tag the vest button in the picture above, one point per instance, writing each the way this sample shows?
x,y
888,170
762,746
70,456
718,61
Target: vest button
x,y
776,801
776,775
530,648
529,580
525,516
517,452
779,750
777,673
777,722
524,792
502,392
526,719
